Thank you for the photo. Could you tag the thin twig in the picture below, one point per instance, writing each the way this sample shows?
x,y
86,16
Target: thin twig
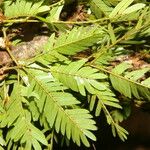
x,y
19,20
5,68
7,47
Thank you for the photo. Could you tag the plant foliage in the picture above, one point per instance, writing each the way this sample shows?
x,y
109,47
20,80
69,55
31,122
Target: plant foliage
x,y
74,74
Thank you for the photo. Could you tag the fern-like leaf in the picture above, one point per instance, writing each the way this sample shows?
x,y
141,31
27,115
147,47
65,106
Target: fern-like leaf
x,y
28,134
79,78
57,107
128,84
13,106
99,102
120,8
18,118
99,7
108,99
49,55
77,40
116,128
124,8
23,8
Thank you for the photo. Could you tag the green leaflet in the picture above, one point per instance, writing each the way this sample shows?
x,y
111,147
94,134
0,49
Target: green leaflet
x,y
120,8
119,69
123,8
54,14
111,33
99,7
146,82
2,141
134,8
53,17
122,86
122,133
137,74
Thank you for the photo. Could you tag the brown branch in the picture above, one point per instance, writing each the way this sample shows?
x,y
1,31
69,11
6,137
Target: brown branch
x,y
24,50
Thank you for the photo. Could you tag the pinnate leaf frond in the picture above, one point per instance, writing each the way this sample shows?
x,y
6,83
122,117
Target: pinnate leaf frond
x,y
23,8
128,83
80,78
18,119
27,134
77,40
59,108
